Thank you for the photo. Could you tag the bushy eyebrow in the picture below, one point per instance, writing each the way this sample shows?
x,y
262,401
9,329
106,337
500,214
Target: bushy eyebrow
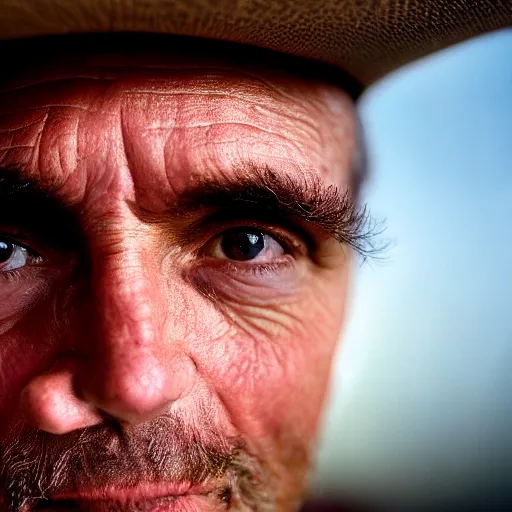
x,y
302,196
24,204
258,191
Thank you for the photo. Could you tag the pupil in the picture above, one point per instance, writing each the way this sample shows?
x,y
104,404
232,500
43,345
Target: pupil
x,y
6,250
242,245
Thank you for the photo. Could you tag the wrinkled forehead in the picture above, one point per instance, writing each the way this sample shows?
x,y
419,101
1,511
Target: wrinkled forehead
x,y
185,85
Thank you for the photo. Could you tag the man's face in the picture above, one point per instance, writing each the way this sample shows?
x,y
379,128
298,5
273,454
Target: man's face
x,y
175,237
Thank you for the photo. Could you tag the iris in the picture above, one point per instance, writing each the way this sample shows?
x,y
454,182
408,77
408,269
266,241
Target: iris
x,y
242,244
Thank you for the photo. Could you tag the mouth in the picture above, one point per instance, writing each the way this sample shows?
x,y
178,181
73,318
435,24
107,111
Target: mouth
x,y
136,500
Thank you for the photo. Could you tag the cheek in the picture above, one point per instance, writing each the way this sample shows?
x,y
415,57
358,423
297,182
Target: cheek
x,y
270,366
29,340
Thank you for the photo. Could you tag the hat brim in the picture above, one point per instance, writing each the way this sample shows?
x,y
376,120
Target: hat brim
x,y
365,38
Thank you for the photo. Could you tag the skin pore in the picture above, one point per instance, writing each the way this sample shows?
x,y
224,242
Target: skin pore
x,y
148,359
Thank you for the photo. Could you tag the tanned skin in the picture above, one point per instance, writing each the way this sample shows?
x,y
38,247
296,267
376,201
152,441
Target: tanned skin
x,y
146,361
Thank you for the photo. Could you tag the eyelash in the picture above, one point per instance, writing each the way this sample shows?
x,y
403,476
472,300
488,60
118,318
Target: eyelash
x,y
282,229
11,275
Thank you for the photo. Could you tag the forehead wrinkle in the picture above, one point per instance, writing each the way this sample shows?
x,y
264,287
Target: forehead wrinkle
x,y
218,116
207,79
22,126
212,87
299,115
220,109
249,99
188,155
72,95
230,79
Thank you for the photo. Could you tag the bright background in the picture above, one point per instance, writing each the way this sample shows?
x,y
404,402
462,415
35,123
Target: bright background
x,y
421,406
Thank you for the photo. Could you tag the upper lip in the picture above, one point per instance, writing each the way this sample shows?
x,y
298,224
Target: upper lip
x,y
142,492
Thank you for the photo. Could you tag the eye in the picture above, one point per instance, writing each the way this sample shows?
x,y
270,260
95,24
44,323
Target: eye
x,y
12,256
245,244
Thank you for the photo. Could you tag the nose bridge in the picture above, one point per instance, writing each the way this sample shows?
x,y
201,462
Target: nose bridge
x,y
126,303
132,371
124,296
123,275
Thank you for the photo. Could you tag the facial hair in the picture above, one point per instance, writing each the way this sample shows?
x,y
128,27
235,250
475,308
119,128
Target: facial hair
x,y
36,466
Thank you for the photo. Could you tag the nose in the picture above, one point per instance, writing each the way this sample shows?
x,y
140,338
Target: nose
x,y
50,401
127,365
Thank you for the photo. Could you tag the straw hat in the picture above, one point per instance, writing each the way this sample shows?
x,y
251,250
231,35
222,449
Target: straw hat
x,y
365,38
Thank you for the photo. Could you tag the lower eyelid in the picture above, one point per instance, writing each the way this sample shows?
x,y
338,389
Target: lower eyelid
x,y
226,280
241,268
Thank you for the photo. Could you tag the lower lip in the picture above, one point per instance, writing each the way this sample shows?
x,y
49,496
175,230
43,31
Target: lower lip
x,y
183,503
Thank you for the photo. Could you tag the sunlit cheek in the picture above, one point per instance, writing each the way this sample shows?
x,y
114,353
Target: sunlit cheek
x,y
272,383
271,366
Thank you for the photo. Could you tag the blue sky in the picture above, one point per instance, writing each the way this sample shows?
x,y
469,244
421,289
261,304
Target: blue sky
x,y
421,403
